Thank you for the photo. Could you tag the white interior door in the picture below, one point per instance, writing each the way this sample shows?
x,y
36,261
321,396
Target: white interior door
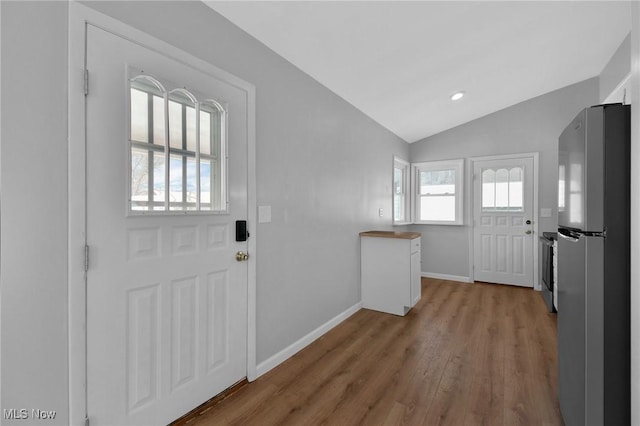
x,y
503,221
166,297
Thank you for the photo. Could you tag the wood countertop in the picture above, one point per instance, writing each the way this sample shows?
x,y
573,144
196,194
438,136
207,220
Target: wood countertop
x,y
391,234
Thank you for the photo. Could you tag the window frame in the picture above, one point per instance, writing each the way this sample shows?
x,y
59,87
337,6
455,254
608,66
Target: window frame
x,y
399,163
458,166
220,158
504,209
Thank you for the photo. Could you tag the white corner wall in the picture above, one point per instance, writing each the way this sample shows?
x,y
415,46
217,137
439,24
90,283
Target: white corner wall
x,y
33,215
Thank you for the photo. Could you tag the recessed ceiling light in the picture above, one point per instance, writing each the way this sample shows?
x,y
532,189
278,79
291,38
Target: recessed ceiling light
x,y
456,96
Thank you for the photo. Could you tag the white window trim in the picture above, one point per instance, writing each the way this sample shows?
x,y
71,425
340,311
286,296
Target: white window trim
x,y
458,165
403,164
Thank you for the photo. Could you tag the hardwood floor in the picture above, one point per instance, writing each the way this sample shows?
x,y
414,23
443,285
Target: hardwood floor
x,y
467,354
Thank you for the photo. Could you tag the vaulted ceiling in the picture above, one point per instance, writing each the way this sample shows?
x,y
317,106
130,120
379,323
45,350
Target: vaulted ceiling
x,y
400,61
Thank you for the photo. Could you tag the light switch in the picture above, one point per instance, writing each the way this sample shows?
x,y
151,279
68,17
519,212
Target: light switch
x,y
264,214
545,212
380,212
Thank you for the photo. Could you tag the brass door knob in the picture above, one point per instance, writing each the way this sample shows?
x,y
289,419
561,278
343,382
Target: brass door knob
x,y
242,256
528,231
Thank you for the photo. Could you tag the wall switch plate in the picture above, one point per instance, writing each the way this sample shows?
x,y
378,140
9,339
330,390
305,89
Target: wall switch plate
x,y
380,212
264,214
545,212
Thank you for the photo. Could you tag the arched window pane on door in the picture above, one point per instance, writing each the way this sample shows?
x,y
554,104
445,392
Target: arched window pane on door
x,y
488,189
172,134
147,135
502,189
515,189
147,110
212,156
182,151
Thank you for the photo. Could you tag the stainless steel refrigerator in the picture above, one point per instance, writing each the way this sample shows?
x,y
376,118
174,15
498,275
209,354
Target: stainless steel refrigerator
x,y
593,268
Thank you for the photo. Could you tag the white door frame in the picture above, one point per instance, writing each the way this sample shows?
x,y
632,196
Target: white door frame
x,y
79,17
470,198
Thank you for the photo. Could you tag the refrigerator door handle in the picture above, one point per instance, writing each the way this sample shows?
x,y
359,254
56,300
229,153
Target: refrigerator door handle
x,y
569,235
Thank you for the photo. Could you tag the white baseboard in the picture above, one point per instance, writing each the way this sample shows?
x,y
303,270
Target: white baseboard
x,y
305,341
447,277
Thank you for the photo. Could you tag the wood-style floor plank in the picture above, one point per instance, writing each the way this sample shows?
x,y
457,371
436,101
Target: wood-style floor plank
x,y
466,354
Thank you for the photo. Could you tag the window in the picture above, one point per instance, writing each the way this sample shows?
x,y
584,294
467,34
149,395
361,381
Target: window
x,y
438,192
401,197
177,150
502,190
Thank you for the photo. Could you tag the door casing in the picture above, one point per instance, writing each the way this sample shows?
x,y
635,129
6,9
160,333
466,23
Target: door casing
x,y
79,17
470,198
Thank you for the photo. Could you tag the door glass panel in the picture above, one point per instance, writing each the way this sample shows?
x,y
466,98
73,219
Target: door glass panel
x,y
191,184
175,183
158,181
158,121
156,114
139,179
502,189
191,128
205,132
515,189
206,177
488,189
217,121
175,124
139,115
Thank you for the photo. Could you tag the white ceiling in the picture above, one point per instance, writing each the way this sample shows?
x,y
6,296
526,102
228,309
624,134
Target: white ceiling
x,y
399,62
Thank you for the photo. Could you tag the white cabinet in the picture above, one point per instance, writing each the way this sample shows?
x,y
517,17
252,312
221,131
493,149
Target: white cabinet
x,y
390,270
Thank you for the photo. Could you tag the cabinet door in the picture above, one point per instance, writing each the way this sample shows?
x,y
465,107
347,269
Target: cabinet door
x,y
416,289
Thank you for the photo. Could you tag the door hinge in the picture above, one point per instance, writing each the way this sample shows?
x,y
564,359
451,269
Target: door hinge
x,y
86,257
86,82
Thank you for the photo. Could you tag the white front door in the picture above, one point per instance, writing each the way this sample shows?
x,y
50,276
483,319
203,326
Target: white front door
x,y
166,297
503,221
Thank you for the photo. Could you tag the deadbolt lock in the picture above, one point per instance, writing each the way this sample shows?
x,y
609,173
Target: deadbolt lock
x,y
528,222
242,256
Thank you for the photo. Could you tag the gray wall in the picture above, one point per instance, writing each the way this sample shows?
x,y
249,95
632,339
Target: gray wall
x,y
530,126
34,208
323,166
618,67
